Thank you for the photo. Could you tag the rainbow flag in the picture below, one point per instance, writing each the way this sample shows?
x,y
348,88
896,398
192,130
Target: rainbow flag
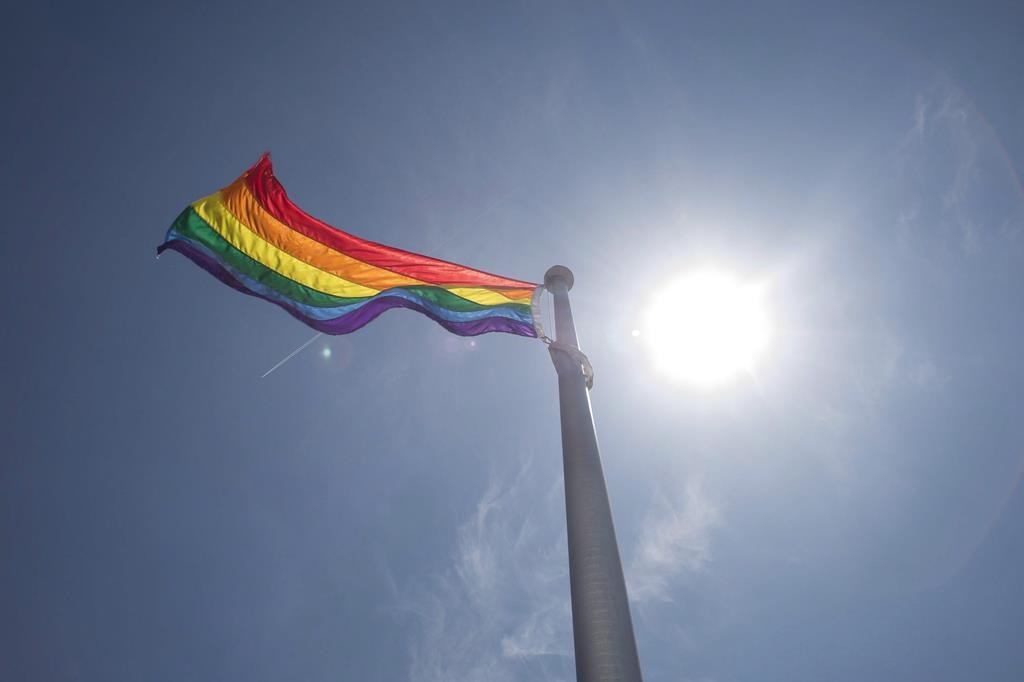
x,y
253,238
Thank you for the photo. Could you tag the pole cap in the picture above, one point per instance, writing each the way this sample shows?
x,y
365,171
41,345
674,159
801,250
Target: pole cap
x,y
558,272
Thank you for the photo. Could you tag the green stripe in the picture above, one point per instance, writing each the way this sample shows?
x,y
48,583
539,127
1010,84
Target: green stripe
x,y
190,225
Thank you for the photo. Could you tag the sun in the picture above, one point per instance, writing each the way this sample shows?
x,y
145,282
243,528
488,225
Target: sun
x,y
707,327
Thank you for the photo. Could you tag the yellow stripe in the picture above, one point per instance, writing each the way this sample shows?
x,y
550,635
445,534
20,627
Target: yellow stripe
x,y
213,210
241,203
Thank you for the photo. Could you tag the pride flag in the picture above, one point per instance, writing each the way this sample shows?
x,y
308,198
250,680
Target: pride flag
x,y
253,238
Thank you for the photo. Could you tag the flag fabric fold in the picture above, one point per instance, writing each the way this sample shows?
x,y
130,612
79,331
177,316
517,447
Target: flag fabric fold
x,y
252,237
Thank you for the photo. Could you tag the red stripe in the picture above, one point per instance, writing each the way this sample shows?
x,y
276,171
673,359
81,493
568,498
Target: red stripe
x,y
271,195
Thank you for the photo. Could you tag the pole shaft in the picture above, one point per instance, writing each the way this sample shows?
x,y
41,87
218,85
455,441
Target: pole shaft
x,y
602,628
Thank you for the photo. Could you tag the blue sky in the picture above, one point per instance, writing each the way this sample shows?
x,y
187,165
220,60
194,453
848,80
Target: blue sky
x,y
850,510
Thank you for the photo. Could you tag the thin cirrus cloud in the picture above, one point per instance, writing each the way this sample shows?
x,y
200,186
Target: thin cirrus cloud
x,y
675,539
501,610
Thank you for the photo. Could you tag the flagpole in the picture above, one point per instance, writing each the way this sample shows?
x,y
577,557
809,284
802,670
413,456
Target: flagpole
x,y
602,627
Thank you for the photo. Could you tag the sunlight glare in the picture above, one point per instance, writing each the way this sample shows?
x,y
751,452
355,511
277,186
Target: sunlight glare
x,y
706,328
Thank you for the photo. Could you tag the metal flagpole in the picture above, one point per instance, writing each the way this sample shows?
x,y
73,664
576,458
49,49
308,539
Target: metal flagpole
x,y
601,624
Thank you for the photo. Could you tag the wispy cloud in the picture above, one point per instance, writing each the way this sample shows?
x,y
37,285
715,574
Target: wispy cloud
x,y
501,610
675,541
960,183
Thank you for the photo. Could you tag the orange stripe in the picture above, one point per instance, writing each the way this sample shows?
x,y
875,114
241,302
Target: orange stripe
x,y
271,195
241,202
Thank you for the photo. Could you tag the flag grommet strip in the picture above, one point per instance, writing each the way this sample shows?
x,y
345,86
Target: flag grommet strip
x,y
538,325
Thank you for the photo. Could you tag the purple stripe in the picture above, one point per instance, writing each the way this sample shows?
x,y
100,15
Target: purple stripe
x,y
361,316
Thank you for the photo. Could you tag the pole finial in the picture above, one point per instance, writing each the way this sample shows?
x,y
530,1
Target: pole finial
x,y
556,272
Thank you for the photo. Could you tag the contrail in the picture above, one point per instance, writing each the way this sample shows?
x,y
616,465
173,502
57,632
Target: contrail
x,y
292,354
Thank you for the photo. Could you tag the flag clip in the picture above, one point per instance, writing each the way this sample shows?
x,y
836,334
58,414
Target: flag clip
x,y
578,356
